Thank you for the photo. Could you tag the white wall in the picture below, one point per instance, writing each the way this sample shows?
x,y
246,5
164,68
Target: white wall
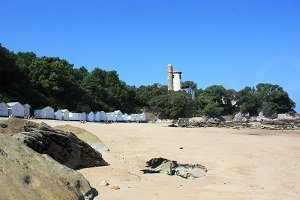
x,y
177,81
3,110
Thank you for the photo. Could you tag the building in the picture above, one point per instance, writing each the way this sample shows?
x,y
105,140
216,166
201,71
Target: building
x,y
91,117
65,114
58,115
75,116
26,110
3,109
125,117
15,109
111,117
175,82
118,115
44,113
191,92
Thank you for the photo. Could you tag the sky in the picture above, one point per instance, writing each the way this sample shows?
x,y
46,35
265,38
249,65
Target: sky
x,y
234,43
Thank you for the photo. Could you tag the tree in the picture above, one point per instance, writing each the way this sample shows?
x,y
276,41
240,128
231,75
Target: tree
x,y
273,96
248,101
189,84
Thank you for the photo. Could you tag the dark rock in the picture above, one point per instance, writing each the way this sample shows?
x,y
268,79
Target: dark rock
x,y
183,122
3,125
165,166
64,147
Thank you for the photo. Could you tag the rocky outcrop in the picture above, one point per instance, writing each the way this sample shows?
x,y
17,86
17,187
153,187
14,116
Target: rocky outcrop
x,y
85,136
26,174
241,122
62,146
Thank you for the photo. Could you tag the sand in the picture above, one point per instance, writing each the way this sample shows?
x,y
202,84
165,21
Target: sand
x,y
242,164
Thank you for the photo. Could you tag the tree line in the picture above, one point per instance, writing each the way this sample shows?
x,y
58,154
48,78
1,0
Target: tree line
x,y
53,81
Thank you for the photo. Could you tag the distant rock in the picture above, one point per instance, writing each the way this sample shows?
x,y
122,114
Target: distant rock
x,y
239,117
183,122
286,116
66,148
26,174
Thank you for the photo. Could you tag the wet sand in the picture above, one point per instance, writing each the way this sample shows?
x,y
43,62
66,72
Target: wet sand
x,y
242,164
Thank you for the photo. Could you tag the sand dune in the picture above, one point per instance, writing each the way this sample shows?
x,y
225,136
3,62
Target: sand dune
x,y
242,164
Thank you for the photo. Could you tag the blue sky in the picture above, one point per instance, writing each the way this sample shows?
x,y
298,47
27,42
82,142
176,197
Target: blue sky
x,y
235,43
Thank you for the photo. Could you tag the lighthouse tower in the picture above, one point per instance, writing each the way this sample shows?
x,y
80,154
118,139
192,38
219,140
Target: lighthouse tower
x,y
174,79
170,77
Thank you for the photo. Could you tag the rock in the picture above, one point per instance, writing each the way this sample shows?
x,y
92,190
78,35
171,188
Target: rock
x,y
172,125
3,125
256,125
85,136
104,183
239,117
285,116
66,148
183,122
165,166
114,187
14,125
198,119
26,174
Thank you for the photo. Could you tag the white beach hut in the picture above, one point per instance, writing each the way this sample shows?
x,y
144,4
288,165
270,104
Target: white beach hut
x,y
132,118
26,110
118,115
111,117
65,114
100,116
15,109
3,109
91,117
74,116
45,113
103,116
97,116
143,117
138,118
125,117
58,115
83,116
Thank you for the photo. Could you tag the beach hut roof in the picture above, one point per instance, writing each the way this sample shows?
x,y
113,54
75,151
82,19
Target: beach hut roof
x,y
64,110
11,104
47,107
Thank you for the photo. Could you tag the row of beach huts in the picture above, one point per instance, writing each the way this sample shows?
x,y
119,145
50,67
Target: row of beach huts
x,y
16,109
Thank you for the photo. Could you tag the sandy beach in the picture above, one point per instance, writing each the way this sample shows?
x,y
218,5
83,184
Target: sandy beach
x,y
242,164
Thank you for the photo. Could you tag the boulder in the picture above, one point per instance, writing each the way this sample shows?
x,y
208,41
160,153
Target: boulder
x,y
64,147
85,136
183,122
26,174
239,117
171,167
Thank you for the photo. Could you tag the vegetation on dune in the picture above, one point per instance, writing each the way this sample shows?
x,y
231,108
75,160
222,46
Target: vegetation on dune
x,y
52,81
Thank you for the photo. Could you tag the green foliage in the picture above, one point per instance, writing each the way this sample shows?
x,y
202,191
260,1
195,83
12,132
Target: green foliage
x,y
213,109
215,101
189,84
42,81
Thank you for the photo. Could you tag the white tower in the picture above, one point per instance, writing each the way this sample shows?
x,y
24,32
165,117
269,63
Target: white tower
x,y
177,81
